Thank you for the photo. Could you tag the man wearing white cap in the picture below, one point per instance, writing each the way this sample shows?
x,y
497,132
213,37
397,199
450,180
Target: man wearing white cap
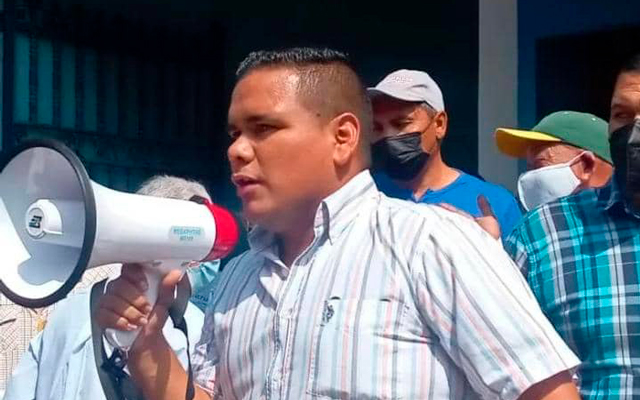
x,y
410,123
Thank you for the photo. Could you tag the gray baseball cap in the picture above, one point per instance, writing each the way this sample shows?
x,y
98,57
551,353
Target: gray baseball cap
x,y
410,85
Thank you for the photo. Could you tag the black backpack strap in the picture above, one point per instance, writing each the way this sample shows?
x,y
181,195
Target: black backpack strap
x,y
116,383
176,313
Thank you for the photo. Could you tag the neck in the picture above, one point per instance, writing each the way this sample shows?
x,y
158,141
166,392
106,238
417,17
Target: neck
x,y
292,244
435,175
299,234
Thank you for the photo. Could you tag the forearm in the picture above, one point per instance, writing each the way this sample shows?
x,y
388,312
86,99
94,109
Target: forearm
x,y
558,387
156,369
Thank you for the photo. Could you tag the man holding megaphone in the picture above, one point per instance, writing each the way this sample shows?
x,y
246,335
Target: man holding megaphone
x,y
344,293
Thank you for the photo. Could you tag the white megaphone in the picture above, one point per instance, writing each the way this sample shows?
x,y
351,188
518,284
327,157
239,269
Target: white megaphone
x,y
55,223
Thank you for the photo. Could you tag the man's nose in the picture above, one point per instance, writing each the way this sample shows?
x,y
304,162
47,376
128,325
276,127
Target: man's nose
x,y
240,152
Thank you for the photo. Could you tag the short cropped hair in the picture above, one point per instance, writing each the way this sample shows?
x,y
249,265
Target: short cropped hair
x,y
172,187
631,65
328,85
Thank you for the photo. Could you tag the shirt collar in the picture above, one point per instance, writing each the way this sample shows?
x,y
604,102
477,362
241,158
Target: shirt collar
x,y
610,198
340,208
333,215
609,195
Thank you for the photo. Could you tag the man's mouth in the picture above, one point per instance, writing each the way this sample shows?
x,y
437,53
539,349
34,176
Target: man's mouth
x,y
242,180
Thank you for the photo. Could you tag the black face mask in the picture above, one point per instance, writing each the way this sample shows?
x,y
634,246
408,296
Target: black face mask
x,y
401,157
625,152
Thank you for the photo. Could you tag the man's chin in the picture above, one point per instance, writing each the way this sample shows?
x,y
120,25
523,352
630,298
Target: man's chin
x,y
254,214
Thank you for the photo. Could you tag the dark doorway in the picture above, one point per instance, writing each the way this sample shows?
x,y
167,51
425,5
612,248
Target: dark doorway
x,y
577,72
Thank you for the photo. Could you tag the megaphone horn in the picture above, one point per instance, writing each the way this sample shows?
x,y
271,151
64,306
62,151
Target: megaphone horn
x,y
55,223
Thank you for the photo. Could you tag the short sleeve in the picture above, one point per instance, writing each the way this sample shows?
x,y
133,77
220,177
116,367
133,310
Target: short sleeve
x,y
481,308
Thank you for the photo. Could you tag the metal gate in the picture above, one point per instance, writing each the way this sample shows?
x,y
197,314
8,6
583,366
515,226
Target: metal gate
x,y
132,100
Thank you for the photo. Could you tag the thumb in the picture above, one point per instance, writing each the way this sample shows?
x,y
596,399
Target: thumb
x,y
485,207
167,288
160,311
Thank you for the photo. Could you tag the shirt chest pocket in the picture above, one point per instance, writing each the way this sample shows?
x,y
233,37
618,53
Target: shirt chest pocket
x,y
357,350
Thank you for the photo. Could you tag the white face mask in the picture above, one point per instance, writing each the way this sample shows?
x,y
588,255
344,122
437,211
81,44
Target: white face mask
x,y
545,184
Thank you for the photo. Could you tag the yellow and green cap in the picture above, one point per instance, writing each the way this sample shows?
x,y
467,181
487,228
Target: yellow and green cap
x,y
582,130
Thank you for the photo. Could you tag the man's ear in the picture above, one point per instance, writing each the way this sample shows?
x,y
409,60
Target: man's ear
x,y
440,121
586,169
347,136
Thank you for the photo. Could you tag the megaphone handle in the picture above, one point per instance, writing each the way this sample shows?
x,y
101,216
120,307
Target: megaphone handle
x,y
124,339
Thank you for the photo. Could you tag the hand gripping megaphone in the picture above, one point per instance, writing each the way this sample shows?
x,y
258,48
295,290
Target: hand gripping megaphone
x,y
55,223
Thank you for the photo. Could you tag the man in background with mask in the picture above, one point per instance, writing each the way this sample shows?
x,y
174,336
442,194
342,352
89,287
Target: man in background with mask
x,y
581,257
410,123
566,152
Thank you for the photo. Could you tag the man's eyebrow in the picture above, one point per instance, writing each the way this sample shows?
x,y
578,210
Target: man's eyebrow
x,y
250,119
622,100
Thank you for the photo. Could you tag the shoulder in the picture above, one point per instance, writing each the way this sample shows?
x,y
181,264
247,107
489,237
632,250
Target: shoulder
x,y
76,304
238,265
239,268
427,222
432,242
493,191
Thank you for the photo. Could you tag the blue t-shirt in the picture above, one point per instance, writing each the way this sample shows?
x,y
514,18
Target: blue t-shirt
x,y
462,194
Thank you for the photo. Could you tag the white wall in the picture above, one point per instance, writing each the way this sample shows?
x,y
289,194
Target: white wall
x,y
497,87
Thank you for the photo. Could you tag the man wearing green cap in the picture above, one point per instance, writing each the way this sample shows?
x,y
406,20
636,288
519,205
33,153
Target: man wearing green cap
x,y
580,255
566,151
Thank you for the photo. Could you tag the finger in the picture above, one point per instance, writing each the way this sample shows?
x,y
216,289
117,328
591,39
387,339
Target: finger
x,y
129,293
134,273
484,206
458,211
167,287
120,307
159,314
107,319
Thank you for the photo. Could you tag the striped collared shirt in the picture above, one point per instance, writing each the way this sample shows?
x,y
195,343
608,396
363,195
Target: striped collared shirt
x,y
392,300
581,256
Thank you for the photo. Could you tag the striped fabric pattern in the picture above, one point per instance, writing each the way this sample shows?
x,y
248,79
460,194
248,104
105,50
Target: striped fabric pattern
x,y
392,300
581,256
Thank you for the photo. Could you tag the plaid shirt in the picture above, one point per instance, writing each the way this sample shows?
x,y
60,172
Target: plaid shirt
x,y
580,255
